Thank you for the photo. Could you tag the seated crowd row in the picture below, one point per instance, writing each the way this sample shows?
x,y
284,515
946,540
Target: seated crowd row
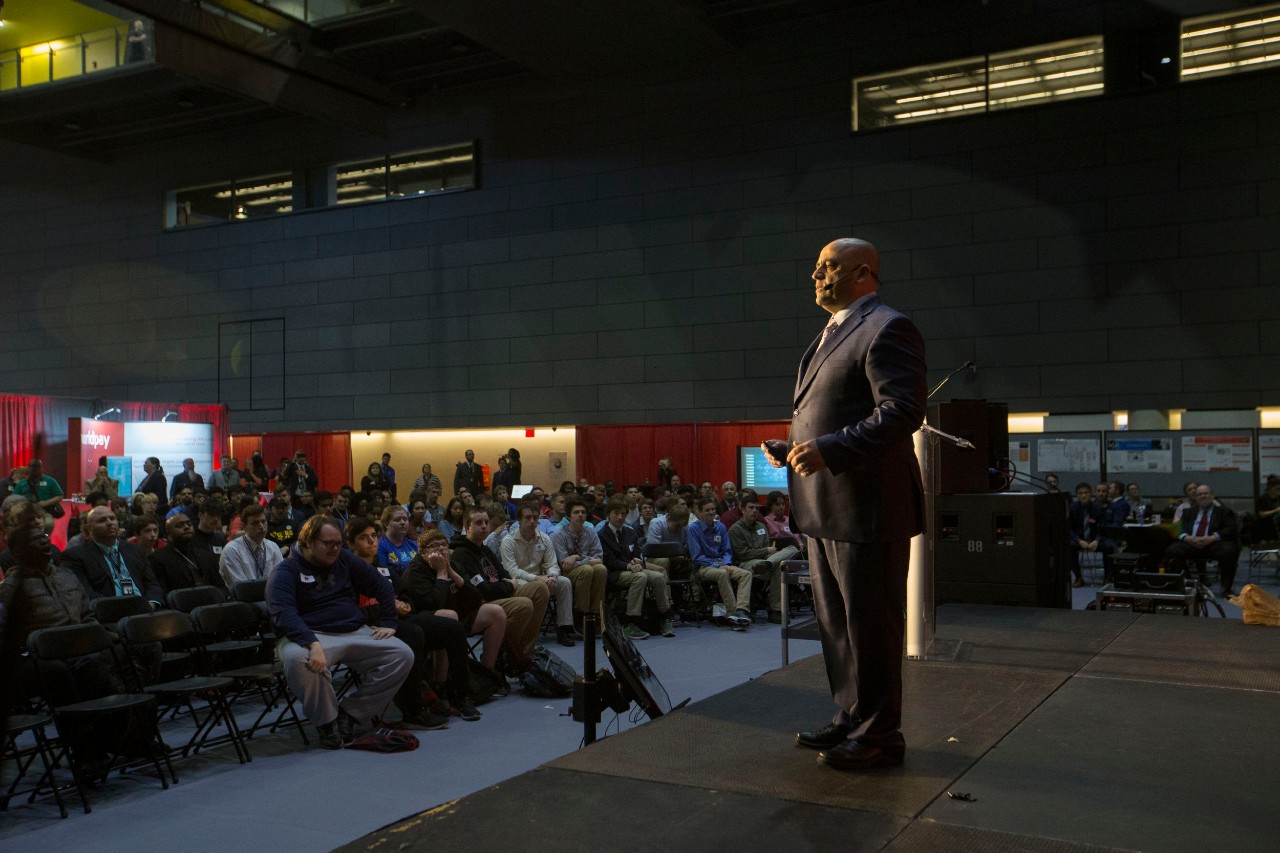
x,y
358,578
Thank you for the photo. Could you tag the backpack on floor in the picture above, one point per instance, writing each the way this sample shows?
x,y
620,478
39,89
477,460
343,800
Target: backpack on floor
x,y
550,677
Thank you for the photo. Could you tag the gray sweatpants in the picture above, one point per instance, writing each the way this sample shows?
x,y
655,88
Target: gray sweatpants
x,y
383,666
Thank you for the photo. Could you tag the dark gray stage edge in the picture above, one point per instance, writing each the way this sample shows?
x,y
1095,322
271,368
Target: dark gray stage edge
x,y
1073,731
561,811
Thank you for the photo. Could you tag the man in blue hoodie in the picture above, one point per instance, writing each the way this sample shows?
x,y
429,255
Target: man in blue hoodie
x,y
312,600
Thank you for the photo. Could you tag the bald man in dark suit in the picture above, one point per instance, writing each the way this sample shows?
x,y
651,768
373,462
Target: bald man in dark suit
x,y
856,490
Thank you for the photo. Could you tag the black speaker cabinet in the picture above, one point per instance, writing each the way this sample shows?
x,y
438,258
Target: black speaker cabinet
x,y
1002,548
954,471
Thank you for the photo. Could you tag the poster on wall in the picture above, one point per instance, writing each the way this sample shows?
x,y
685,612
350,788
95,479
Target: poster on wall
x,y
1217,453
1139,455
1268,457
1068,454
134,441
1020,453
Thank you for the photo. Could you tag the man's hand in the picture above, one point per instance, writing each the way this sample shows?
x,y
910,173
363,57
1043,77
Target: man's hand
x,y
316,662
636,565
383,633
549,580
568,563
805,458
1200,541
775,450
403,608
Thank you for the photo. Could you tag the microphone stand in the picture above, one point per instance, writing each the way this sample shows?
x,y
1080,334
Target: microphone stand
x,y
922,642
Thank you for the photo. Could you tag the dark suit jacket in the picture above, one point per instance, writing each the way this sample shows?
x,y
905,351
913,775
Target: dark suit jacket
x,y
471,475
1222,521
1077,514
195,481
619,552
292,473
861,396
155,484
90,566
174,572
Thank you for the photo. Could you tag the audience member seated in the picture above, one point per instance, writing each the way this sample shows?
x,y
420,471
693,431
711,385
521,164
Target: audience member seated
x,y
434,510
1115,510
777,520
184,501
581,558
646,512
623,554
431,585
1267,513
529,557
450,523
1209,532
1139,507
108,567
728,497
418,523
146,534
102,482
422,633
280,527
555,518
754,551
670,528
733,514
395,549
1082,523
713,562
477,565
184,564
252,556
312,600
208,533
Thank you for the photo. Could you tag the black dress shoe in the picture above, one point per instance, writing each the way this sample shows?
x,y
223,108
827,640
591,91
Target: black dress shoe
x,y
852,755
564,636
829,736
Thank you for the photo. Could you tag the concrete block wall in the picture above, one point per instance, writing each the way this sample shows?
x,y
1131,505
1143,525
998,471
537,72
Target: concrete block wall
x,y
639,250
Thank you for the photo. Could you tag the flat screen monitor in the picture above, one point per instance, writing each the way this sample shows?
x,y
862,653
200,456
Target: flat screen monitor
x,y
518,492
755,472
634,675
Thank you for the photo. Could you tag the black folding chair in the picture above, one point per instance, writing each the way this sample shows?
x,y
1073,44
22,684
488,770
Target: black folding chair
x,y
686,595
110,610
174,630
97,734
228,639
24,756
192,597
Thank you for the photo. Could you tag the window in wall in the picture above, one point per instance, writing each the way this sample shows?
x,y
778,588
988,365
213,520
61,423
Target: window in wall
x,y
407,175
1033,75
1230,43
239,199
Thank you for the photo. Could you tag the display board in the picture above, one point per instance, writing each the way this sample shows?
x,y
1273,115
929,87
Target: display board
x,y
1268,456
1161,461
1073,456
127,445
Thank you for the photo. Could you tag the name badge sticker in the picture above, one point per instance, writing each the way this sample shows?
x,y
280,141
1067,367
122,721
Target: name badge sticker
x,y
477,580
384,571
217,549
306,578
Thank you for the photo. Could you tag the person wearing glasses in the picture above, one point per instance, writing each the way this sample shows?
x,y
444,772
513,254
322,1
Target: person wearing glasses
x,y
312,599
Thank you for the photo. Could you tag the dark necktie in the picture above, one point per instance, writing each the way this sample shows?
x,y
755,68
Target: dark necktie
x,y
1203,527
260,558
827,331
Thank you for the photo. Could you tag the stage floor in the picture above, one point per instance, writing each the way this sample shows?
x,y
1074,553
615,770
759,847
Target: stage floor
x,y
1069,730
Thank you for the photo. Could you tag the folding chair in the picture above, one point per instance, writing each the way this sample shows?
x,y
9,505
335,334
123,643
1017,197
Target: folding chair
x,y
190,598
223,630
112,725
174,629
24,757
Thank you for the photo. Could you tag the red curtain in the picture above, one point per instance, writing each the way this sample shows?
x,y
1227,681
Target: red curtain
x,y
629,453
328,452
22,426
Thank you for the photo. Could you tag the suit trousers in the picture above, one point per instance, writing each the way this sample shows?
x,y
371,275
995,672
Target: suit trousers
x,y
860,596
1226,552
383,665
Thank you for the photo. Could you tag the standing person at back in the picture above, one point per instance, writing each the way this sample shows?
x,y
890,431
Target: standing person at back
x,y
855,489
469,475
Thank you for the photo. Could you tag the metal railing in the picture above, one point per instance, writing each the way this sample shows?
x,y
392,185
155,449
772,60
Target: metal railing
x,y
74,56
